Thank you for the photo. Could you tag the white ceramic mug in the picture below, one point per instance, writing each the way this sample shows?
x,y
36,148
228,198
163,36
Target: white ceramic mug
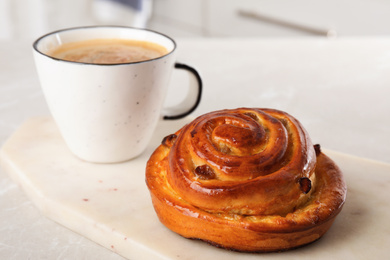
x,y
107,113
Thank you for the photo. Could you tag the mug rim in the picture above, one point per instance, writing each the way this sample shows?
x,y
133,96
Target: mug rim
x,y
35,44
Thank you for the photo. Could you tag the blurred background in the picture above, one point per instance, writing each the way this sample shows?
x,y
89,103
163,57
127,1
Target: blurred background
x,y
28,19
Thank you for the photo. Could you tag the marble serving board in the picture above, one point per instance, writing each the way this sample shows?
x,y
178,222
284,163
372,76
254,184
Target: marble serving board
x,y
110,203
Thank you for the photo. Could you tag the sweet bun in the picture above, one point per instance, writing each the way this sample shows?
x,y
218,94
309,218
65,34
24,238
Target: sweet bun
x,y
246,179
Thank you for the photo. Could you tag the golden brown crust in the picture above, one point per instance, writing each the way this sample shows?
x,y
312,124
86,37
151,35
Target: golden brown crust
x,y
246,180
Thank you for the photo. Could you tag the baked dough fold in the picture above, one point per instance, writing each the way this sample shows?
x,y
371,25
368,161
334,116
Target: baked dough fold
x,y
246,179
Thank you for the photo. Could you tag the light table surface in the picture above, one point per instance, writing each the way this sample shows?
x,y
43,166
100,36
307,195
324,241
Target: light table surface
x,y
339,90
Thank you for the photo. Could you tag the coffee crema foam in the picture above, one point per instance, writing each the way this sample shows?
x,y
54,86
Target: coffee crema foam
x,y
108,51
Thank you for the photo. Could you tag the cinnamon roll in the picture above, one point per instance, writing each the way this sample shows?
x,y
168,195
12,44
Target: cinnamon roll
x,y
246,179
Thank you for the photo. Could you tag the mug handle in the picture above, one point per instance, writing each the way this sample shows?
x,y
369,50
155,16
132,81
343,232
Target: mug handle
x,y
191,102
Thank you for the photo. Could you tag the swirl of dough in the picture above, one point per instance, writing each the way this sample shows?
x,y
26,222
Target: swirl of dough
x,y
245,161
247,180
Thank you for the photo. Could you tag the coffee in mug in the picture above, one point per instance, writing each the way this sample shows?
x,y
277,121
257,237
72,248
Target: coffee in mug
x,y
108,51
107,106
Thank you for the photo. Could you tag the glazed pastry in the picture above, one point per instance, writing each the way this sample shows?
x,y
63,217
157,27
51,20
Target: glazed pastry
x,y
246,180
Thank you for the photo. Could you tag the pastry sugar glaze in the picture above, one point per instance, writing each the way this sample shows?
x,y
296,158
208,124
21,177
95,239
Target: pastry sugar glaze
x,y
247,180
108,51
